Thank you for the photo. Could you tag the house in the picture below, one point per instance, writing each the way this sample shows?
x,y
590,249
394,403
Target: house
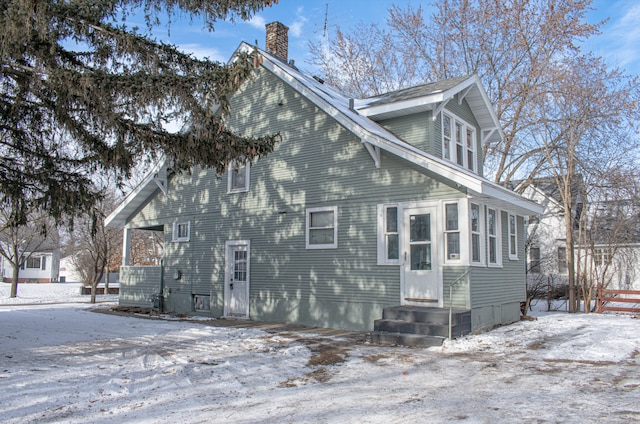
x,y
365,204
41,266
607,240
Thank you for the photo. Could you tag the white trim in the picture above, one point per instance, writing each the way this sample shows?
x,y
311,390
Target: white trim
x,y
481,234
382,247
247,178
498,237
462,258
512,256
454,141
227,276
308,228
174,233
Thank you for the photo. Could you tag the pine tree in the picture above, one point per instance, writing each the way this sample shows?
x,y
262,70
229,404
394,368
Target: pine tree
x,y
80,93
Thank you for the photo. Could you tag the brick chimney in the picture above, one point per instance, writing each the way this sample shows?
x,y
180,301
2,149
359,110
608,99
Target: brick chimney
x,y
278,40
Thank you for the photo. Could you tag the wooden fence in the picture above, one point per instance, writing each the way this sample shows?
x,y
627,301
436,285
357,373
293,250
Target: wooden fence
x,y
608,297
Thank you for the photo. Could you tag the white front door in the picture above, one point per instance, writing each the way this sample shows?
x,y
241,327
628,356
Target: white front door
x,y
421,267
236,293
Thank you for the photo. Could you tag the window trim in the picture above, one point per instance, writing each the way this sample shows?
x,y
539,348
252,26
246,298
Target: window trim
x,y
512,245
308,228
450,154
497,236
457,230
247,178
383,247
174,233
480,233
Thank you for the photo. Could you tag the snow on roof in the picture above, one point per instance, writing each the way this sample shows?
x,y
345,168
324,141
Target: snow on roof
x,y
351,113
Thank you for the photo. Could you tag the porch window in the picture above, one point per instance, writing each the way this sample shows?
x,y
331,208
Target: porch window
x,y
493,241
181,231
459,142
388,236
322,228
238,180
33,263
452,231
513,237
476,234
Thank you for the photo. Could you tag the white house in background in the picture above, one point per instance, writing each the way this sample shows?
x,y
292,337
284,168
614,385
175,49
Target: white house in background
x,y
68,271
612,257
42,266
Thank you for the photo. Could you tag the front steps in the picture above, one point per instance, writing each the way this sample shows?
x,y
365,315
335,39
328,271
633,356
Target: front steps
x,y
418,326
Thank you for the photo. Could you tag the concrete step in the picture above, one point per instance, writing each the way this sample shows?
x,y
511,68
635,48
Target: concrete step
x,y
403,339
428,315
420,328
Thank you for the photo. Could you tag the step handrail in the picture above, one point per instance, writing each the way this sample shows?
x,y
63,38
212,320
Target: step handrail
x,y
458,280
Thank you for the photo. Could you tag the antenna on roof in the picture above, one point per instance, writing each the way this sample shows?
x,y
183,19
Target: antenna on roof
x,y
326,20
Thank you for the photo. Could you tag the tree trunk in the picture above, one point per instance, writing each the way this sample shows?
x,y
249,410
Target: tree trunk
x,y
571,266
14,282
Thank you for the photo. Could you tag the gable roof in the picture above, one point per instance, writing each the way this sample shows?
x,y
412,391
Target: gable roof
x,y
354,115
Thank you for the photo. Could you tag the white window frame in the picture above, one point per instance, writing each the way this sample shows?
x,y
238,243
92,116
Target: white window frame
x,y
308,228
480,233
459,139
383,246
233,167
447,231
513,244
497,236
174,235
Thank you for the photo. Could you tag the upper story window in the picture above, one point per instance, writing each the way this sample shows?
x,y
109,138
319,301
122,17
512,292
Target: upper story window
x,y
459,142
388,235
181,231
322,228
238,179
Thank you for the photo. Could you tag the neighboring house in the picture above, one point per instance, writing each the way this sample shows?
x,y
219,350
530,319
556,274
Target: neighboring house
x,y
365,204
40,267
68,271
608,249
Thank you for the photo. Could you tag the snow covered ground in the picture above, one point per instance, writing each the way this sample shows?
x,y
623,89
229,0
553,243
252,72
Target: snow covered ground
x,y
68,363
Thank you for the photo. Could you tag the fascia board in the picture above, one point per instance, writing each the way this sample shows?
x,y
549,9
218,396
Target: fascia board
x,y
372,111
119,216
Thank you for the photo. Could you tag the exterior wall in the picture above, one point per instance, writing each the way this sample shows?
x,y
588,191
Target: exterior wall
x,y
317,164
416,129
138,285
496,293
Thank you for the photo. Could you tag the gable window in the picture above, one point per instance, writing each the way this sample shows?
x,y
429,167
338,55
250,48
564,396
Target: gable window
x,y
562,260
181,231
388,236
452,231
238,179
476,233
513,237
534,260
322,228
493,241
33,263
458,142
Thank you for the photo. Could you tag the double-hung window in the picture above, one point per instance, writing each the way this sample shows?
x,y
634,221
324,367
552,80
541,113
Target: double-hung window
x,y
459,142
534,260
322,228
388,236
33,263
238,180
513,237
181,231
494,255
452,231
477,246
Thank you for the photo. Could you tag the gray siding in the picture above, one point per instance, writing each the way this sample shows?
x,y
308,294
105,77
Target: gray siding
x,y
318,163
138,284
496,293
415,129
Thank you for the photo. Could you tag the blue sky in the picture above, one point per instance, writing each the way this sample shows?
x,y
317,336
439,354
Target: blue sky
x,y
619,42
